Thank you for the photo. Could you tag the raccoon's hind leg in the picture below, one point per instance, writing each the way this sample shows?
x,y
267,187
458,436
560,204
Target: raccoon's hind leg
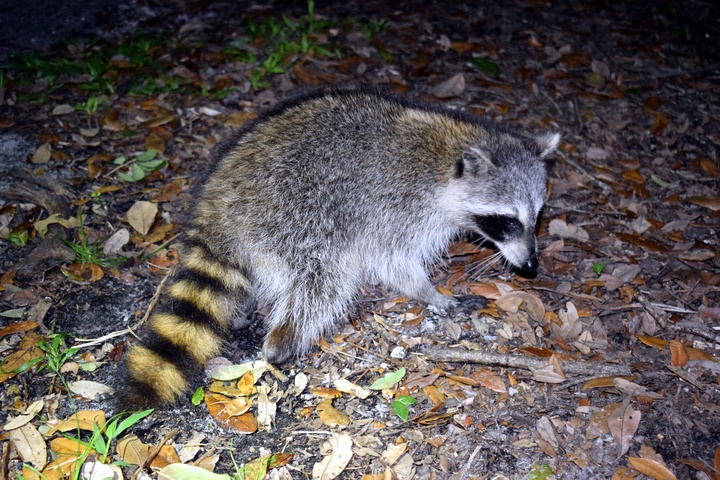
x,y
305,312
186,331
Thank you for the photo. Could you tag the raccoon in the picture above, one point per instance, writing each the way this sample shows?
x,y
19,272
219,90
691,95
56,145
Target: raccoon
x,y
320,195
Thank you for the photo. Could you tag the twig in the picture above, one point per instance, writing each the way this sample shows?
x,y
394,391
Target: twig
x,y
442,354
130,330
155,298
579,296
466,469
155,452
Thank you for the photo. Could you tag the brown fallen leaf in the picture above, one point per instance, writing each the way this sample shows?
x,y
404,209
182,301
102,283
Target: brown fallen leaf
x,y
166,456
132,450
623,423
651,468
713,203
30,445
84,420
679,356
245,423
141,216
27,351
660,122
643,242
18,327
331,416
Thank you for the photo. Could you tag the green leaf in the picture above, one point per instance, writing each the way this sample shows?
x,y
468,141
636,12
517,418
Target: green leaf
x,y
179,471
598,268
120,160
151,165
137,172
145,156
132,420
406,400
400,409
487,66
388,380
198,396
125,177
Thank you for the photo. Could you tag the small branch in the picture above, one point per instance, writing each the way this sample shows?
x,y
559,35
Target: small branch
x,y
442,354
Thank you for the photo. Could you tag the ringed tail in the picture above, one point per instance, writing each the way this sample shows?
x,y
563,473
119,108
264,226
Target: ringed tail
x,y
186,331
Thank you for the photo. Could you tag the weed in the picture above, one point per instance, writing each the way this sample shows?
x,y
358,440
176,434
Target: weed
x,y
90,253
101,442
140,166
91,104
272,47
371,29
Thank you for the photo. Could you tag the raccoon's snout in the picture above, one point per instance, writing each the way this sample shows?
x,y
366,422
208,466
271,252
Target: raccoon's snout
x,y
531,264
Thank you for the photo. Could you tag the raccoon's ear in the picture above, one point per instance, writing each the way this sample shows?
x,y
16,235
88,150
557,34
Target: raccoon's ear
x,y
547,143
474,161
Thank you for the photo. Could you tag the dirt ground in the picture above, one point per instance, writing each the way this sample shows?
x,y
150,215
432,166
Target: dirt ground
x,y
603,366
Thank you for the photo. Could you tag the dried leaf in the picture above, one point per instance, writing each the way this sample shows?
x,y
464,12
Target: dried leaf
x,y
452,87
331,416
166,456
567,230
26,352
232,372
132,450
30,445
84,420
346,386
679,356
651,468
116,241
333,464
42,154
29,414
141,216
89,389
713,203
42,225
245,423
266,409
623,423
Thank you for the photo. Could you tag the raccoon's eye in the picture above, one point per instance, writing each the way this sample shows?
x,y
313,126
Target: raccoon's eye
x,y
499,228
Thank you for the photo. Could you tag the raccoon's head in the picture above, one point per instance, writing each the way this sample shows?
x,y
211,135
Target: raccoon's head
x,y
499,190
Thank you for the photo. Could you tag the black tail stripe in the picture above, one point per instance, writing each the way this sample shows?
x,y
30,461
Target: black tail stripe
x,y
190,312
178,356
203,280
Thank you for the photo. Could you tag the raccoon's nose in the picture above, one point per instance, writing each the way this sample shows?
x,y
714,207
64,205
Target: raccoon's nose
x,y
532,263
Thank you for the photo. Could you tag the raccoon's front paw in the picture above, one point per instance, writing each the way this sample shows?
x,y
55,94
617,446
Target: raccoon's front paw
x,y
442,301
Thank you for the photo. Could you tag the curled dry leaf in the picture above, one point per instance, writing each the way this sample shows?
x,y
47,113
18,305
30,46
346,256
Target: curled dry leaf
x,y
331,416
333,464
346,386
266,409
84,420
27,416
452,87
567,230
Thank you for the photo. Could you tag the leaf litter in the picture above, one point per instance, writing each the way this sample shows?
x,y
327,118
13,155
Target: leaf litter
x,y
596,368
